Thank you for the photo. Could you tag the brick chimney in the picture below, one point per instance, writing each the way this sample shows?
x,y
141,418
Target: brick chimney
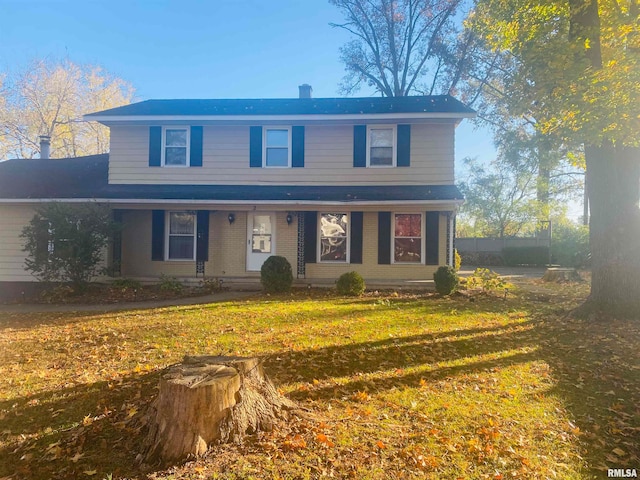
x,y
45,146
305,90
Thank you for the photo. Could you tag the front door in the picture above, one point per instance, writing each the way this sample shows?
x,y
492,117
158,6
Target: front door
x,y
261,239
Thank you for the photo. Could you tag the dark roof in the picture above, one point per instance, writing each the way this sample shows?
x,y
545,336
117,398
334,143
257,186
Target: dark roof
x,y
87,177
292,106
54,178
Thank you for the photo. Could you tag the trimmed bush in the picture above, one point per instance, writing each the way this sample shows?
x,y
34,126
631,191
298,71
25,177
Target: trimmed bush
x,y
351,283
276,275
446,280
481,258
525,255
457,260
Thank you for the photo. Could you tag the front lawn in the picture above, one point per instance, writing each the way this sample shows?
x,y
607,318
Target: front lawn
x,y
397,386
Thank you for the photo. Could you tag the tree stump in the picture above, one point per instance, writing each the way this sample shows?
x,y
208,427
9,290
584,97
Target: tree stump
x,y
559,275
208,400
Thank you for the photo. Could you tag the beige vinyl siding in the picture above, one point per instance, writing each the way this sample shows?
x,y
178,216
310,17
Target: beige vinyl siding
x,y
12,220
328,159
228,250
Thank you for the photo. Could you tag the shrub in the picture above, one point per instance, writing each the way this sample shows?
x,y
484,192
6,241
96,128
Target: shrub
x,y
457,260
481,258
446,280
65,242
276,275
170,284
126,284
526,255
211,285
351,283
570,245
485,279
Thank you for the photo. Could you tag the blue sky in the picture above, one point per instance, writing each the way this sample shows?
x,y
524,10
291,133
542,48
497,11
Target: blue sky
x,y
195,48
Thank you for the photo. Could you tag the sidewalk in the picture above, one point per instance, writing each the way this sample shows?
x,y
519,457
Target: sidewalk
x,y
512,273
111,307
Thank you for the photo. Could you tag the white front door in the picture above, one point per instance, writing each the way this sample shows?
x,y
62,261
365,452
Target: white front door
x,y
261,239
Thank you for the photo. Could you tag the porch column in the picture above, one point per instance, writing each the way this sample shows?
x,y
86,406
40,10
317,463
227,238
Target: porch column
x,y
301,260
451,235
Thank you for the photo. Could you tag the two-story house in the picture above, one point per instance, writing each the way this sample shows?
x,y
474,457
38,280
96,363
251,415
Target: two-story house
x,y
214,187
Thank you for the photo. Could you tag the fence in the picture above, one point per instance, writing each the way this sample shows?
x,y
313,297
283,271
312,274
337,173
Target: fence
x,y
501,251
495,245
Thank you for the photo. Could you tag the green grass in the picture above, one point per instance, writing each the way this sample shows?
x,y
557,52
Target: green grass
x,y
398,386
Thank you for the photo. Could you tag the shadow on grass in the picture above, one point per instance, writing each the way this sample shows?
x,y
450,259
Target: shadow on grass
x,y
397,353
596,368
65,432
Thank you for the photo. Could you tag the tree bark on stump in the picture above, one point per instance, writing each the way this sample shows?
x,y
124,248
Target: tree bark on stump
x,y
559,275
208,400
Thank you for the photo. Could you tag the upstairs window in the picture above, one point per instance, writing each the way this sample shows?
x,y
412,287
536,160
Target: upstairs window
x,y
334,237
381,151
175,146
181,236
277,147
407,238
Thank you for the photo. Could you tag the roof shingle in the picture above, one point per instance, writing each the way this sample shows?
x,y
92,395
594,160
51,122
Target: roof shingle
x,y
291,106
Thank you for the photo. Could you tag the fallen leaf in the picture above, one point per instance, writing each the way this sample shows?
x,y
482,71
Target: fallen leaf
x,y
77,457
322,438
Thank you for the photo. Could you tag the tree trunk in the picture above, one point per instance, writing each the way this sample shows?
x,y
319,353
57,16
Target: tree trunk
x,y
208,400
613,176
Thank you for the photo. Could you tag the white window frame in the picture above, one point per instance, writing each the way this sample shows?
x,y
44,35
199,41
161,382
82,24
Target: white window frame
x,y
164,145
394,145
265,146
319,248
422,238
167,229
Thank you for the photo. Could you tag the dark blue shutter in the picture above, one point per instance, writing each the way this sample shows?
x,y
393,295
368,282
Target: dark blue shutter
x,y
384,238
116,252
356,237
155,146
310,236
359,145
195,147
157,235
432,237
255,147
297,146
404,146
202,236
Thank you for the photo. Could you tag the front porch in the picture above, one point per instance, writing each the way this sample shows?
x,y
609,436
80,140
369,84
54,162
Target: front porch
x,y
232,244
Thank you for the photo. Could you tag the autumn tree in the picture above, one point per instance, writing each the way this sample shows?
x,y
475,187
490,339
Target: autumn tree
x,y
49,98
499,201
578,72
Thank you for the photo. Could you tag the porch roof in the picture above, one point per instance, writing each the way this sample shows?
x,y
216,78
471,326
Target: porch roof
x,y
87,178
